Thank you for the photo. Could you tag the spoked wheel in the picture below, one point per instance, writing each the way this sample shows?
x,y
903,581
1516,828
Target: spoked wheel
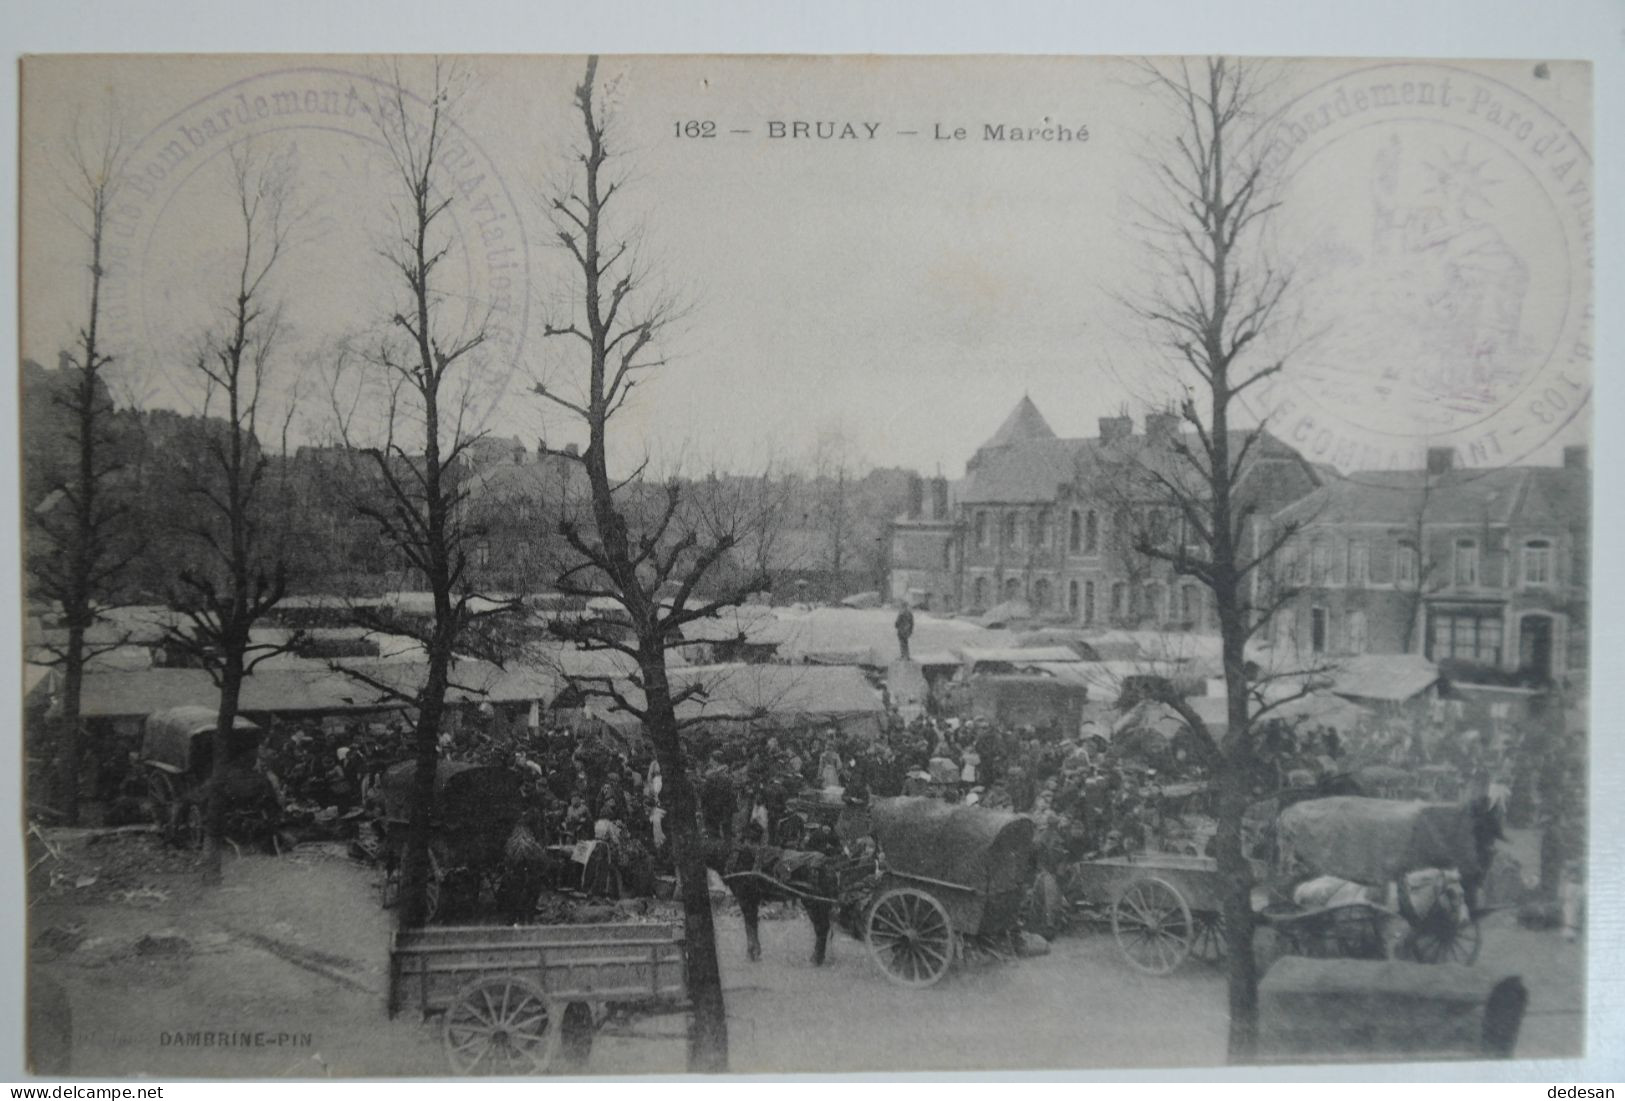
x,y
910,936
1438,941
1207,938
498,1026
1153,926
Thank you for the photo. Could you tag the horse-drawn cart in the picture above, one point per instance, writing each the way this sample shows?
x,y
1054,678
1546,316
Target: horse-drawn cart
x,y
474,810
1344,868
1164,907
526,999
177,754
1379,859
947,874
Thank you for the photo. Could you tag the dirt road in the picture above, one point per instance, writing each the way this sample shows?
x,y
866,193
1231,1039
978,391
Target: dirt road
x,y
288,957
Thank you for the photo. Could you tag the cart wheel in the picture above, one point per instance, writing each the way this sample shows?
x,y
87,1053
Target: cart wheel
x,y
498,1026
1458,944
1152,925
909,936
1207,940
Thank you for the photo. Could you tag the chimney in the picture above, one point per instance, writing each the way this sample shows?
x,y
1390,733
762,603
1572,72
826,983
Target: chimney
x,y
939,498
1114,429
1440,459
1575,457
916,497
1161,427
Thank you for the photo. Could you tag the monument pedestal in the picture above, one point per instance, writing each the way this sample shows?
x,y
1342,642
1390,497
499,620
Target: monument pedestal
x,y
905,685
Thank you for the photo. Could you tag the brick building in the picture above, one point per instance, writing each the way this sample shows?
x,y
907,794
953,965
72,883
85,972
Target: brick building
x,y
1483,571
1050,521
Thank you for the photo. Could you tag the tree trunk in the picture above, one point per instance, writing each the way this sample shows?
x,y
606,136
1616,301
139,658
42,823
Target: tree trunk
x,y
708,1030
71,746
231,687
415,868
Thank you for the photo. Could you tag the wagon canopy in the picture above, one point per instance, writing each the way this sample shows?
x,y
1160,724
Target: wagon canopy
x,y
965,846
464,794
178,737
1375,841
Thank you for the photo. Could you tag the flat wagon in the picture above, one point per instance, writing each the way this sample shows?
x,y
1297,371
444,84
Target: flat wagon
x,y
527,999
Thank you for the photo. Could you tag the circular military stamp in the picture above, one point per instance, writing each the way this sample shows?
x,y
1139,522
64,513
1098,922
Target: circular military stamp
x,y
1440,226
175,236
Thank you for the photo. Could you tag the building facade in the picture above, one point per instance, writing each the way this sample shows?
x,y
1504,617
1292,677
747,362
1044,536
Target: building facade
x,y
1482,571
1051,523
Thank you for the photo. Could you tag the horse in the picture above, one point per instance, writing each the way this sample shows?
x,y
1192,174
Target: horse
x,y
755,872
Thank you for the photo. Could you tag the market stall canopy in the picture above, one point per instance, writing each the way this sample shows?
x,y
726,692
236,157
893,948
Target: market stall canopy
x,y
1320,708
1002,615
1387,677
315,689
748,692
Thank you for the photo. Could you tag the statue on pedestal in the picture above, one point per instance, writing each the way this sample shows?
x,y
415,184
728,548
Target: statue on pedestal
x,y
905,628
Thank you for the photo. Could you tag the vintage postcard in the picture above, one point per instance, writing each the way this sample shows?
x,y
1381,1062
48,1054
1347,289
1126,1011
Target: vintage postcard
x,y
644,565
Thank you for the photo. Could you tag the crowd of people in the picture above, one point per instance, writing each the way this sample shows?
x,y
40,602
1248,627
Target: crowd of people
x,y
1092,791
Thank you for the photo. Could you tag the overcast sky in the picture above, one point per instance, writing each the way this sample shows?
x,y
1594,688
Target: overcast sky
x,y
895,290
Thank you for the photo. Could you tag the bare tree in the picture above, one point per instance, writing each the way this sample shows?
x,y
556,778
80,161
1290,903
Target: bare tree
x,y
79,549
652,549
242,571
425,363
1213,301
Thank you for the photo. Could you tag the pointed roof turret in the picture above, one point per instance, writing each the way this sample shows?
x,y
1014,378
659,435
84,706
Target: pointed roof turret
x,y
1024,423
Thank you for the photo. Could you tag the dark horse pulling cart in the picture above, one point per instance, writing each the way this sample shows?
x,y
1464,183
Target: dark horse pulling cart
x,y
926,880
475,810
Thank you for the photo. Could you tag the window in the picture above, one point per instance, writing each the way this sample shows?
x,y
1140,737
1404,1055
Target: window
x,y
1357,632
1290,569
1088,601
1091,533
1466,562
1154,607
981,529
1072,597
1012,529
1074,539
1466,636
1119,600
1339,564
1190,604
979,591
1041,594
1320,562
1537,562
482,554
1405,564
1012,588
1359,563
1156,527
1317,630
1046,528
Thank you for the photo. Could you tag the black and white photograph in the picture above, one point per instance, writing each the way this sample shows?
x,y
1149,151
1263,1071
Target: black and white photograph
x,y
631,564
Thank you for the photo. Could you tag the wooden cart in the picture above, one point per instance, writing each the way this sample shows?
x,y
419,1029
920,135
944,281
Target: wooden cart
x,y
1164,907
948,874
527,999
